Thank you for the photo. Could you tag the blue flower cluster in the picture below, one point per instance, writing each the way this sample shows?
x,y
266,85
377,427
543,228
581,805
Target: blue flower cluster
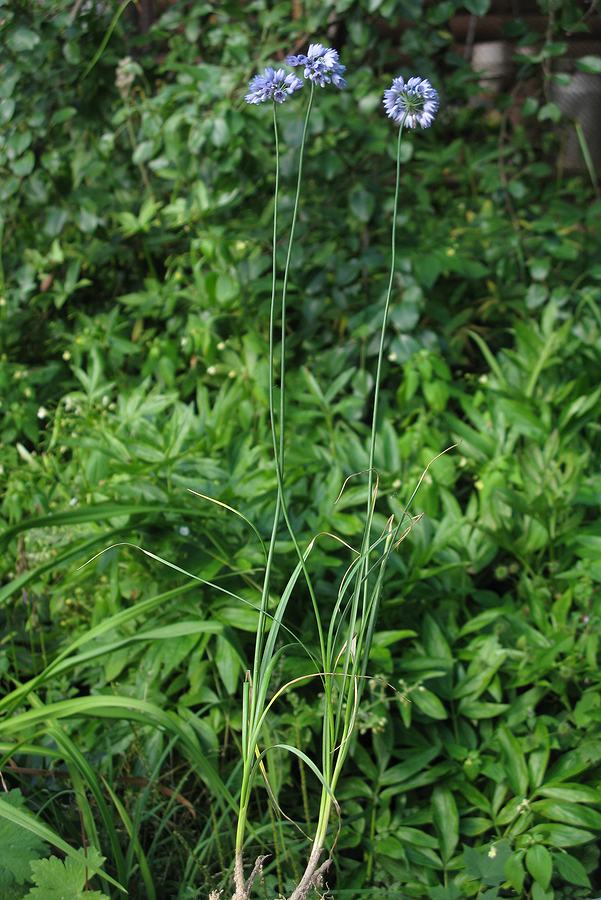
x,y
414,102
322,65
273,84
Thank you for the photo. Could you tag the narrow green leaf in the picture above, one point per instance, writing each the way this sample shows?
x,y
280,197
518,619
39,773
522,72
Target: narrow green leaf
x,y
150,892
480,709
414,763
568,813
103,44
138,610
100,512
514,762
446,821
489,357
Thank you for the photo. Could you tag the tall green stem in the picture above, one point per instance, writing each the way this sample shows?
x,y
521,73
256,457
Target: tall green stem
x,y
328,723
374,421
250,690
282,406
277,511
364,643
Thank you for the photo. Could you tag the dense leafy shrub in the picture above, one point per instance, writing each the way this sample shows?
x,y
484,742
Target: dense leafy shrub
x,y
135,289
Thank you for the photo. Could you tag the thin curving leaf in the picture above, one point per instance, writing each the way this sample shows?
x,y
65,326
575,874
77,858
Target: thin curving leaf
x,y
97,512
236,512
150,892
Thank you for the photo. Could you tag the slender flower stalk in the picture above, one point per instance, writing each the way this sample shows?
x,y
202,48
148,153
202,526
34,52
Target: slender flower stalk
x,y
356,649
374,416
277,86
414,103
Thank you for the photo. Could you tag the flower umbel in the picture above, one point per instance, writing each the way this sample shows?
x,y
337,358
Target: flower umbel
x,y
414,102
273,84
322,65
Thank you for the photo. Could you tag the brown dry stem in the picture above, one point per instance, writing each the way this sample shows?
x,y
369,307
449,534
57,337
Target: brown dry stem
x,y
312,877
243,888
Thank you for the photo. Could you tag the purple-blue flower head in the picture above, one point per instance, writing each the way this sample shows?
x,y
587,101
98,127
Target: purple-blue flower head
x,y
273,84
322,65
414,102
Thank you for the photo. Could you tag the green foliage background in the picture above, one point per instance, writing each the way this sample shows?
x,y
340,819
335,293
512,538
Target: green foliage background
x,y
135,284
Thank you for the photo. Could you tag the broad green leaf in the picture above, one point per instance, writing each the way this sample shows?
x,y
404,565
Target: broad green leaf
x,y
487,864
58,880
415,837
536,295
479,709
571,869
24,165
387,638
435,641
391,846
18,847
549,112
448,892
362,204
477,7
22,39
568,813
34,826
515,873
590,64
424,857
561,835
473,825
446,821
537,764
540,865
7,108
539,893
474,685
568,792
428,703
576,761
510,811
